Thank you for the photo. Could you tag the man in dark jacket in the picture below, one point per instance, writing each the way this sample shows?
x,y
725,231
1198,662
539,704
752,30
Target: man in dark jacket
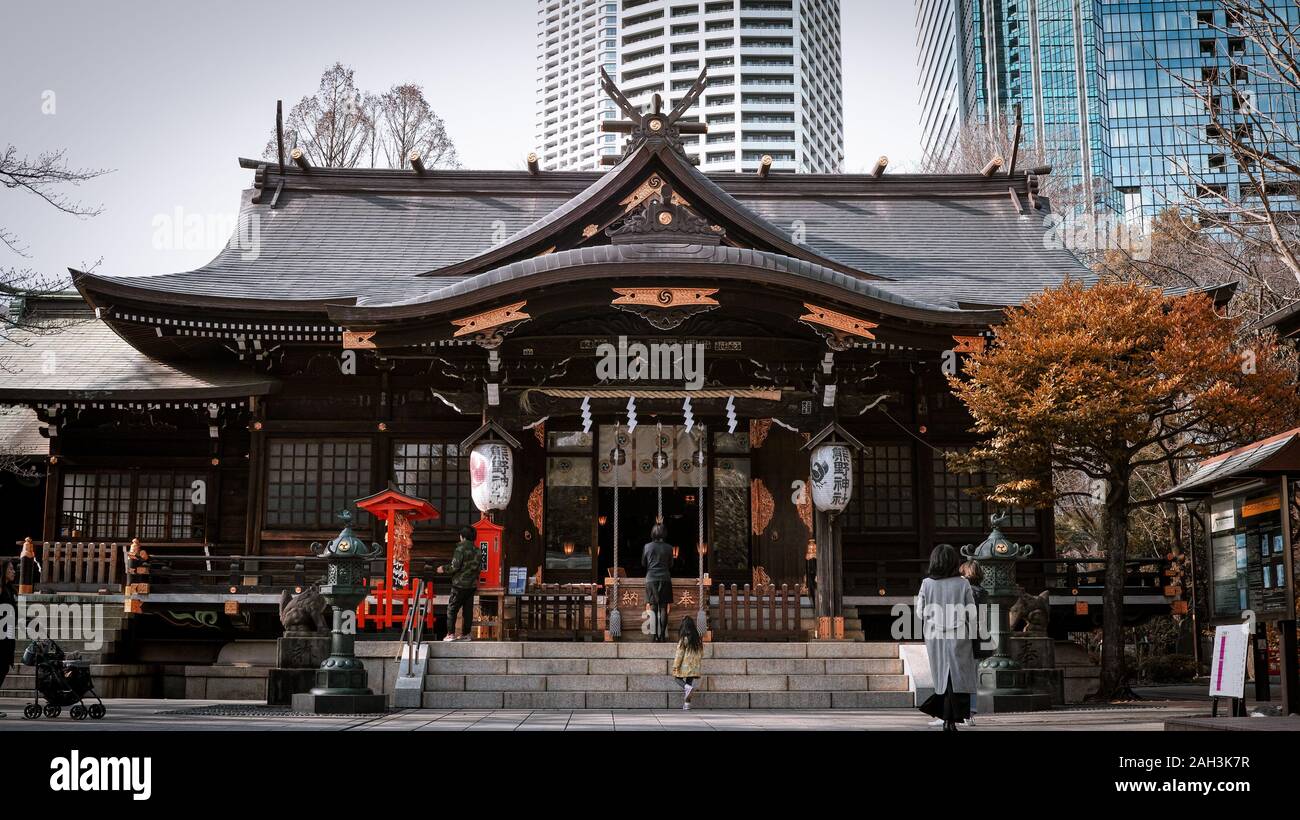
x,y
657,558
463,570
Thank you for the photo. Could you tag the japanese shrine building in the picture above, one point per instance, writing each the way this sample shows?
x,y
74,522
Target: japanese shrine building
x,y
381,316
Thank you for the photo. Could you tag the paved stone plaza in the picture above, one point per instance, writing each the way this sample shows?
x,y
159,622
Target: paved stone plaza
x,y
174,715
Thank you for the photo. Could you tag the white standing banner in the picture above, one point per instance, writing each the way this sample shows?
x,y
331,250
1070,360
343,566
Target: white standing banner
x,y
1228,663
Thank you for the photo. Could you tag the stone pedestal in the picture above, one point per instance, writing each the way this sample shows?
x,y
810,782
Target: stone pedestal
x,y
340,704
1033,686
301,651
1032,652
1013,690
408,689
297,659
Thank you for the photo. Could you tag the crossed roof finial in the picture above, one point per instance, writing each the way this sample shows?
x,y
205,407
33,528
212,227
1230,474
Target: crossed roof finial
x,y
644,128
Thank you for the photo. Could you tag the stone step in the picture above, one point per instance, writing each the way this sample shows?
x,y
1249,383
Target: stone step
x,y
662,666
663,683
505,650
623,675
668,700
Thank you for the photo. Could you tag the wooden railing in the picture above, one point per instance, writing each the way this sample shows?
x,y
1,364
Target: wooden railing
x,y
236,573
767,613
559,612
1060,576
79,566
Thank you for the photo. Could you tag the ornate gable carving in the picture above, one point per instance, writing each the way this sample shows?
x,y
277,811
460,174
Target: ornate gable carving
x,y
665,308
655,213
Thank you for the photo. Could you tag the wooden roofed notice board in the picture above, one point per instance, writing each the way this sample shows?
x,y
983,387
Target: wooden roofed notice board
x,y
1228,661
1249,564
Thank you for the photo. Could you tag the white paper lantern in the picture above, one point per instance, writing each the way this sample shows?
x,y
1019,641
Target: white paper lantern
x,y
491,475
832,477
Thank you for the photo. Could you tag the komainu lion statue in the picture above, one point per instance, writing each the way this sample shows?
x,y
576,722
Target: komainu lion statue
x,y
304,613
1032,609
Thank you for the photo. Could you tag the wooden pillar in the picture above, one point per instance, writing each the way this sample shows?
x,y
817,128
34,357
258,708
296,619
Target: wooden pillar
x,y
923,475
53,477
830,566
253,512
1259,651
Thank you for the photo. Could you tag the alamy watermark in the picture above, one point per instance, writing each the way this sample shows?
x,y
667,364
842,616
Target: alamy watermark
x,y
944,621
656,361
183,231
1096,233
80,623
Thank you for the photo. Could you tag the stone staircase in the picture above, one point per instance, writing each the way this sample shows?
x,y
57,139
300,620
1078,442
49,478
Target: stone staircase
x,y
812,675
115,623
112,679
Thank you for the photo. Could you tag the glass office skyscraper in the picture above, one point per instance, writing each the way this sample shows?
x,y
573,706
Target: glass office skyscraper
x,y
1095,82
979,59
1161,135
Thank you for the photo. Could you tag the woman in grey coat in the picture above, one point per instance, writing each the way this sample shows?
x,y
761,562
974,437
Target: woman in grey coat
x,y
946,607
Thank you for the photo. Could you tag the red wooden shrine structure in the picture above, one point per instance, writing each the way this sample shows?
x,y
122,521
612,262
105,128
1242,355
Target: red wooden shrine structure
x,y
386,604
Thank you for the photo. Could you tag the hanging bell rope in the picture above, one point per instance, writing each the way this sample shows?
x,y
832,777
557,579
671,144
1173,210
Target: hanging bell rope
x,y
701,619
659,471
615,617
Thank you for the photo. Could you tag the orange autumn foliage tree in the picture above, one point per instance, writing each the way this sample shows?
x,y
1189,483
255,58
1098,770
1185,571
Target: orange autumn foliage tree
x,y
1107,380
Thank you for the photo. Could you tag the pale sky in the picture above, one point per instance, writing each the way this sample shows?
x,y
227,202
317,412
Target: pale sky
x,y
170,94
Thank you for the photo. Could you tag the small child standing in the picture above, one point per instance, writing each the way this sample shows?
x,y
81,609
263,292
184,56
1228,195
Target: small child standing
x,y
686,663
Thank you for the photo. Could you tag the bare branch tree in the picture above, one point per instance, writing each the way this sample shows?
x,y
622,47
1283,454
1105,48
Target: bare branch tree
x,y
979,141
344,127
1256,131
408,123
47,176
332,127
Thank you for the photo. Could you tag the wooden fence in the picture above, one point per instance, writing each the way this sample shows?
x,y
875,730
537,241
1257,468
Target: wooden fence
x,y
563,612
76,566
766,613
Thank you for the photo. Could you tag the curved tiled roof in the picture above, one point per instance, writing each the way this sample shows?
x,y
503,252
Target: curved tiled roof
x,y
748,265
75,356
337,236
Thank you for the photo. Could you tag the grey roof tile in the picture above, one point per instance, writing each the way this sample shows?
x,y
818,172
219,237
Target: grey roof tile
x,y
83,358
344,243
20,433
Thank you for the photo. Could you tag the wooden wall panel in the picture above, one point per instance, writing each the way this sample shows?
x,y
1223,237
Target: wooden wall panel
x,y
778,464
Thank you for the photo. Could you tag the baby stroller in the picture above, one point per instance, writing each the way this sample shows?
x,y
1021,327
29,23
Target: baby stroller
x,y
62,682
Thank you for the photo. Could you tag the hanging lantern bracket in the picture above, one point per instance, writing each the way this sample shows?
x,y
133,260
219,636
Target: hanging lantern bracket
x,y
491,431
833,433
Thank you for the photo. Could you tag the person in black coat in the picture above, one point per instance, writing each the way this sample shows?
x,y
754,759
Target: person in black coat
x,y
8,619
657,558
810,571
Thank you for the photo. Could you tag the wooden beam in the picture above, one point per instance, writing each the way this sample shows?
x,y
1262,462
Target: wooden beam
x,y
534,167
765,166
416,162
1015,200
993,165
279,132
299,157
879,167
